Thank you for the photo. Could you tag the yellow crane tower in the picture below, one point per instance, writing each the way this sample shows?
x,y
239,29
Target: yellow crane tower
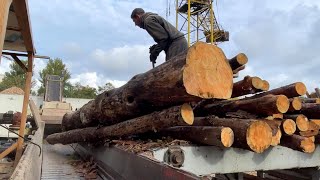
x,y
199,21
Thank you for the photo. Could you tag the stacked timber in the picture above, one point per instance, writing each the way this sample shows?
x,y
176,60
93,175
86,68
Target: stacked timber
x,y
192,97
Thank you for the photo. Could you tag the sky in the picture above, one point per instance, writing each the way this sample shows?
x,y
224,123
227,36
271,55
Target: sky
x,y
99,43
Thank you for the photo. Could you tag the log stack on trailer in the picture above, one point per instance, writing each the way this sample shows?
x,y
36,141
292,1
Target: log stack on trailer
x,y
192,97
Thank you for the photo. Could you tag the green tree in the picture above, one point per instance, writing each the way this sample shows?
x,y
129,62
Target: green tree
x,y
79,91
15,77
108,86
53,67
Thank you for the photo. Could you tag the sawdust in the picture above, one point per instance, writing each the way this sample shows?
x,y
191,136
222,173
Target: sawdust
x,y
13,90
140,146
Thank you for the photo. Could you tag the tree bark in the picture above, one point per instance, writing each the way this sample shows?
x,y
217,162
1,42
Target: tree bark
x,y
156,121
250,134
238,61
301,121
311,110
266,105
291,90
202,71
298,143
249,85
310,100
215,136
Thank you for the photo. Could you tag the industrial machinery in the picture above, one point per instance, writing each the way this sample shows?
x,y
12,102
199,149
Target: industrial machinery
x,y
53,108
199,21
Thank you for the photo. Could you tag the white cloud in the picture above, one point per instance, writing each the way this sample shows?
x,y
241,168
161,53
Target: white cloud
x,y
124,62
93,79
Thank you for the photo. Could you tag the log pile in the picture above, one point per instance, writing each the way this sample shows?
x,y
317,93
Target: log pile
x,y
192,97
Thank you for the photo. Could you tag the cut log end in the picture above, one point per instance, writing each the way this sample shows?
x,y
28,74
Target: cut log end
x,y
207,73
257,82
187,113
307,145
242,59
300,88
302,123
312,138
289,126
296,104
259,136
265,85
227,137
282,103
276,138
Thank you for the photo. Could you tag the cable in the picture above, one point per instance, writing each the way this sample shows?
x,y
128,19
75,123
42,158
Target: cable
x,y
22,137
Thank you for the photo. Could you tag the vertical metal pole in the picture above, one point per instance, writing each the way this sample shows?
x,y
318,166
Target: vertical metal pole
x,y
189,14
4,13
211,23
24,108
177,13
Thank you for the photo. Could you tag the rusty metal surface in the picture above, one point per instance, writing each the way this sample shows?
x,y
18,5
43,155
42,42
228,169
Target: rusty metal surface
x,y
116,163
57,163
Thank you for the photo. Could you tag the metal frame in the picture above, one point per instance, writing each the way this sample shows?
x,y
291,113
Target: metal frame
x,y
202,13
22,15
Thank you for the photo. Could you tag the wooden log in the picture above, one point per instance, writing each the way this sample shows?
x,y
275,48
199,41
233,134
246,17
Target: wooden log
x,y
298,143
266,105
312,138
291,90
301,121
208,135
310,100
276,131
250,134
288,126
156,121
265,85
295,104
202,71
317,91
238,61
249,85
4,14
311,110
316,121
313,130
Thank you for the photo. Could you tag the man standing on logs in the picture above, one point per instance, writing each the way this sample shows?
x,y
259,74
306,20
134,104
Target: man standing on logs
x,y
167,37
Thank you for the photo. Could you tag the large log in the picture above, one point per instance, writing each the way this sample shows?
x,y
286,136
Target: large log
x,y
249,85
298,143
266,105
249,134
301,121
202,71
238,61
311,110
208,135
291,90
156,121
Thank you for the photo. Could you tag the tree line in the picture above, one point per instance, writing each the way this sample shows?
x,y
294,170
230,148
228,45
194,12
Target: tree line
x,y
16,77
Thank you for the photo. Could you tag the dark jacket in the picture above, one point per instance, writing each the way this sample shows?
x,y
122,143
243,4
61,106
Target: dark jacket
x,y
164,34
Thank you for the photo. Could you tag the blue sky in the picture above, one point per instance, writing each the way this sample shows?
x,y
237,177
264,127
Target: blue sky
x,y
99,42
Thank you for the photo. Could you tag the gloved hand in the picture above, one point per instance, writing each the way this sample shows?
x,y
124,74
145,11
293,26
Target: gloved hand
x,y
154,51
